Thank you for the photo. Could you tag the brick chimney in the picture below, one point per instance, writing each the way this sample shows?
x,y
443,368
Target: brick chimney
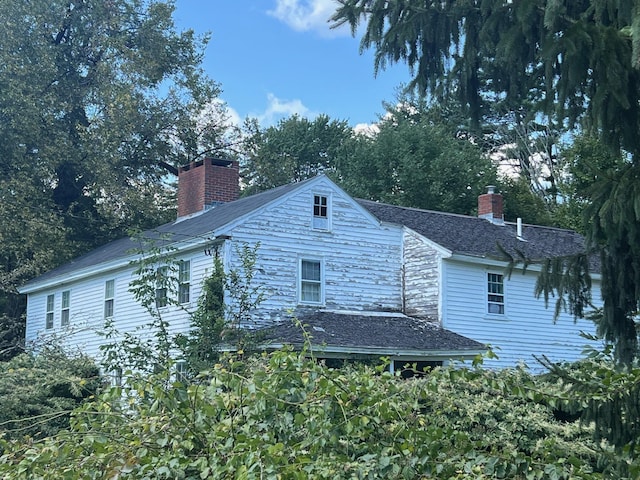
x,y
206,183
490,206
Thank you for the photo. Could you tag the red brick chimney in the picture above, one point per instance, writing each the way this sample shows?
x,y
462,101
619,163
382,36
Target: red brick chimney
x,y
490,206
207,182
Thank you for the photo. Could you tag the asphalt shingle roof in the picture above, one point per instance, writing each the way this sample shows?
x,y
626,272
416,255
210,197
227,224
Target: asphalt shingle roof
x,y
187,228
373,331
479,237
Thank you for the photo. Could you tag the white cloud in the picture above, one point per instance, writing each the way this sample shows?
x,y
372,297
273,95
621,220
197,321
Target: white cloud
x,y
309,15
278,109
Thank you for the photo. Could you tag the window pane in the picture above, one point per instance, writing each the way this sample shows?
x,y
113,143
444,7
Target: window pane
x,y
50,299
108,308
310,292
319,206
185,271
310,270
109,289
65,299
49,320
183,293
495,296
64,319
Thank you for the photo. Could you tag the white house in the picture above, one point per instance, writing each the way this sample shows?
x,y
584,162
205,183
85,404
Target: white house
x,y
367,279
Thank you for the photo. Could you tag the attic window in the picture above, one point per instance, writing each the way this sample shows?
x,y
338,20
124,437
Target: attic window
x,y
495,293
320,212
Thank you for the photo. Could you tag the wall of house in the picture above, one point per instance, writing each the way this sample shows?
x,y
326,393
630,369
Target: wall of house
x,y
86,311
361,259
525,329
421,276
361,271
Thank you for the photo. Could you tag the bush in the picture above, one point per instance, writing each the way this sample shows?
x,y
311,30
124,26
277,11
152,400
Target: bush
x,y
283,415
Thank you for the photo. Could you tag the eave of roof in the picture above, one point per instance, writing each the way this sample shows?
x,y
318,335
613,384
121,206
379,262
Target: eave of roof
x,y
185,232
374,334
476,237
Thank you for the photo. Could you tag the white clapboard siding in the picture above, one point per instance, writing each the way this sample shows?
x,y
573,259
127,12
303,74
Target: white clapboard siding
x,y
86,325
361,258
526,329
421,276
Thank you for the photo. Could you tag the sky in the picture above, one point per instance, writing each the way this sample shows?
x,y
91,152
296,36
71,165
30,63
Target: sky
x,y
276,58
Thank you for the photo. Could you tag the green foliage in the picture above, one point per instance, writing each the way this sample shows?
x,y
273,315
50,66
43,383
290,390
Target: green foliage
x,y
575,60
218,324
99,102
284,415
606,395
416,161
293,150
38,392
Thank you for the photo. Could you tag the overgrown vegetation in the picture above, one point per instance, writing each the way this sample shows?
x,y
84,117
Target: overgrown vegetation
x,y
285,415
39,392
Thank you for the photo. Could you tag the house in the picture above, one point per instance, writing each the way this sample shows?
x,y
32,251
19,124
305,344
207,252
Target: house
x,y
365,279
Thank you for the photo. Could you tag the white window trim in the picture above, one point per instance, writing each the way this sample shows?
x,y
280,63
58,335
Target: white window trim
x,y
322,280
65,310
187,282
317,222
108,298
49,311
503,294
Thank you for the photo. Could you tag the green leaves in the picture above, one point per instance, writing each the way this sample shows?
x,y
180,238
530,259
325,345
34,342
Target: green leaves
x,y
286,416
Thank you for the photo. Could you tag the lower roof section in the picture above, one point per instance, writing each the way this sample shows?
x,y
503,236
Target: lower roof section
x,y
365,334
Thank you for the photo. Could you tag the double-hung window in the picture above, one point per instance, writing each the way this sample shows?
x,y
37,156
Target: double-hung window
x,y
49,312
162,283
320,212
495,293
311,281
64,312
109,298
184,277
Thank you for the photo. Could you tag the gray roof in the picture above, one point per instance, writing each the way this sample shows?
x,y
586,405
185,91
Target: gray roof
x,y
479,237
374,332
188,228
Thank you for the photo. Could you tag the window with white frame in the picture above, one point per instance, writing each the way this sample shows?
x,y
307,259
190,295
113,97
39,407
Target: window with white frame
x,y
162,282
49,312
320,212
184,278
64,312
310,281
495,293
109,298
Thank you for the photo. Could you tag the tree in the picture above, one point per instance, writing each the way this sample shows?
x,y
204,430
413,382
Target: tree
x,y
39,392
100,101
415,161
293,150
574,61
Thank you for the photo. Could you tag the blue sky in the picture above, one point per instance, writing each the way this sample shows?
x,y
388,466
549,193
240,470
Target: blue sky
x,y
274,58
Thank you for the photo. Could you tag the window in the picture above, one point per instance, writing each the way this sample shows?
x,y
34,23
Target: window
x,y
162,280
310,281
182,372
495,284
64,312
109,294
320,212
184,279
49,315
